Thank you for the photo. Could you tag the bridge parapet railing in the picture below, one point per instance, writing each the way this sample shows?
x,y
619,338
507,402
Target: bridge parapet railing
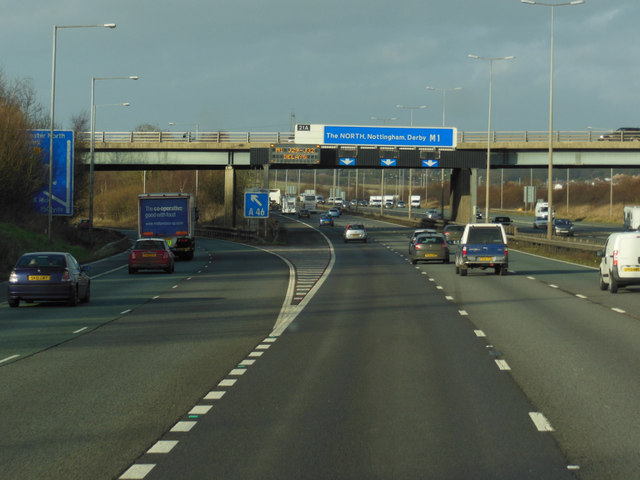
x,y
188,137
285,137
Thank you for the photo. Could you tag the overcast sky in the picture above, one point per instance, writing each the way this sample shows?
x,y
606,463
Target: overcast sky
x,y
246,65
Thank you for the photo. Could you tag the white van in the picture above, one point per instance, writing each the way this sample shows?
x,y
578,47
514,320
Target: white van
x,y
620,261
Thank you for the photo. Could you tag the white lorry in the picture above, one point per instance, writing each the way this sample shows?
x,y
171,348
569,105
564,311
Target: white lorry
x,y
415,201
289,204
375,200
631,217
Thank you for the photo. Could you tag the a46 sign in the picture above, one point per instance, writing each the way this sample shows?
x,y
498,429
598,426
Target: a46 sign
x,y
256,204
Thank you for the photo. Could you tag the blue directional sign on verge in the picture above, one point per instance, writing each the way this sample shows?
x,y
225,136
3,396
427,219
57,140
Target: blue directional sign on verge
x,y
348,162
256,204
388,162
62,161
431,163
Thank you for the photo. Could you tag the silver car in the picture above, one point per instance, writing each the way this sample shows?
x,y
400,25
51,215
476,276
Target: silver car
x,y
429,247
355,232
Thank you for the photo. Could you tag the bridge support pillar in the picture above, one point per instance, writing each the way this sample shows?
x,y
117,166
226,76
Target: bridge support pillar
x,y
464,194
265,172
229,196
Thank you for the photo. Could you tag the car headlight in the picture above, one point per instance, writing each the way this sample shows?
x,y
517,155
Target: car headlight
x,y
13,277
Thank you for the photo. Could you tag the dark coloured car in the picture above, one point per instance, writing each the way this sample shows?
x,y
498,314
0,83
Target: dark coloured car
x,y
151,254
429,247
401,204
48,277
563,226
452,232
503,220
304,213
326,220
623,134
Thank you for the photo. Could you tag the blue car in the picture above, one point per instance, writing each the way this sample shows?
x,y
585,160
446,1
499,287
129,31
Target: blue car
x,y
334,212
326,220
47,277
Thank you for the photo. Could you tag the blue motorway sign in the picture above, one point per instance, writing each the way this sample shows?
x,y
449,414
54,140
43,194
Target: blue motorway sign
x,y
348,161
256,204
388,162
62,161
431,163
443,137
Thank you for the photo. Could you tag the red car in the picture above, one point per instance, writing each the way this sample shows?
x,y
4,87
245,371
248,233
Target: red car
x,y
151,253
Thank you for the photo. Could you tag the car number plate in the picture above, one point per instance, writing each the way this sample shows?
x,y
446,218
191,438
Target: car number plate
x,y
485,259
148,254
631,269
430,254
39,278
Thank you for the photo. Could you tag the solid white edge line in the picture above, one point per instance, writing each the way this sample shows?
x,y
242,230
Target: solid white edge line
x,y
9,358
80,330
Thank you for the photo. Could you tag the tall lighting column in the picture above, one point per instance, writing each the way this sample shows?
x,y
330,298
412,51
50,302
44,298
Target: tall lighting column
x,y
444,102
550,173
93,140
52,114
490,60
418,107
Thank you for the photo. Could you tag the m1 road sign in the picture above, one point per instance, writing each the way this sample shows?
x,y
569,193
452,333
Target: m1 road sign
x,y
256,204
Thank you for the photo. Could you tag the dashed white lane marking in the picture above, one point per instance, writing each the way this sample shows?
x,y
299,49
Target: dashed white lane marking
x,y
155,297
262,346
439,287
463,312
531,278
553,286
619,310
423,273
124,312
183,426
579,295
247,362
80,330
448,297
503,365
200,410
256,354
214,395
479,333
137,472
270,339
9,358
162,446
238,371
541,422
227,382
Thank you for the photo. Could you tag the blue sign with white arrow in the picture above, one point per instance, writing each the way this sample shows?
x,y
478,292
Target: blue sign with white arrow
x,y
256,204
430,163
388,162
62,171
348,162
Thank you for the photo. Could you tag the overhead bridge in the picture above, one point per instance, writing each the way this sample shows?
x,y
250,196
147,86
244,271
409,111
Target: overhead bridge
x,y
216,150
249,150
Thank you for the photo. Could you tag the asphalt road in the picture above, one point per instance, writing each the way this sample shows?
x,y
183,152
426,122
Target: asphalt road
x,y
380,376
324,360
95,385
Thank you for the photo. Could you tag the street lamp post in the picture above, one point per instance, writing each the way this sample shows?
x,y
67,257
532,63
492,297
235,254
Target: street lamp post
x,y
418,107
93,134
384,120
444,101
490,60
52,114
444,98
550,173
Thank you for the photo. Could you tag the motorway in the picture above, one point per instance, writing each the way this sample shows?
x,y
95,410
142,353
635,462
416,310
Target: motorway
x,y
321,359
